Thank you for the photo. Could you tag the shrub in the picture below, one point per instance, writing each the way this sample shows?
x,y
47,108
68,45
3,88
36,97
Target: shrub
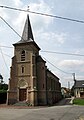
x,y
3,96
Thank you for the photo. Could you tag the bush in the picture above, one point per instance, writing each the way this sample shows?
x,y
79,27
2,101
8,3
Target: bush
x,y
3,86
3,96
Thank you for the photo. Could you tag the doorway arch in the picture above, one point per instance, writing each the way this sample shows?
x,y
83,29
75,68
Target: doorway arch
x,y
22,92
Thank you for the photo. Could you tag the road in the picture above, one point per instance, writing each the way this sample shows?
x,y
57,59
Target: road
x,y
67,112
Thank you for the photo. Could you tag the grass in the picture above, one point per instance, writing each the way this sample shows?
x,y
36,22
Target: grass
x,y
78,101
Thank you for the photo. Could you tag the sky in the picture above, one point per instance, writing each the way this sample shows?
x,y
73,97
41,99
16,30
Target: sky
x,y
51,34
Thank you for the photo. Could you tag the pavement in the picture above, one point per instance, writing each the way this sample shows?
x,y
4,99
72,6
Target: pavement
x,y
63,102
64,110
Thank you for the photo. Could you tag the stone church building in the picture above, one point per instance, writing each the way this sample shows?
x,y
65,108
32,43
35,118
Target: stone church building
x,y
30,80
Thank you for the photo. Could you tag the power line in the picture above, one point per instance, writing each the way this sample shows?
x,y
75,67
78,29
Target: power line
x,y
14,30
54,52
2,52
4,59
59,17
7,55
57,67
30,46
10,26
6,46
44,14
0,48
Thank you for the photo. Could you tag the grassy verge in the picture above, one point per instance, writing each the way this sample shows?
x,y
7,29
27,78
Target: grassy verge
x,y
78,101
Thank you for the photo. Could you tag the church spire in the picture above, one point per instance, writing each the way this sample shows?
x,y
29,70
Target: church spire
x,y
27,32
27,35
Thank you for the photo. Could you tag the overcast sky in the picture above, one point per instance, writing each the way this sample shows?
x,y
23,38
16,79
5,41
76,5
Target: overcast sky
x,y
51,34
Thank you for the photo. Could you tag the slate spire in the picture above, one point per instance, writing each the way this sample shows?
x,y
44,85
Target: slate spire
x,y
27,34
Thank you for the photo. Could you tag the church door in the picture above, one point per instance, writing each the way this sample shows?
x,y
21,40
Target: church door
x,y
22,94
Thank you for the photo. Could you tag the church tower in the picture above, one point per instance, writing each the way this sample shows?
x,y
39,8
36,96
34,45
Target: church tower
x,y
23,83
30,80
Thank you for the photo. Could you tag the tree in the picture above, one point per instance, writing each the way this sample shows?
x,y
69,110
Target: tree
x,y
1,79
3,86
3,90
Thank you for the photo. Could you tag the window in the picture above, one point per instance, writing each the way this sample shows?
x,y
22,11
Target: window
x,y
33,70
22,69
33,59
43,85
23,55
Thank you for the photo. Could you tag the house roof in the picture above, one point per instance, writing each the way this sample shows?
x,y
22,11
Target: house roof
x,y
79,84
66,89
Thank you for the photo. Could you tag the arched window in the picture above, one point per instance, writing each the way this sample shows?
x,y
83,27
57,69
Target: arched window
x,y
23,55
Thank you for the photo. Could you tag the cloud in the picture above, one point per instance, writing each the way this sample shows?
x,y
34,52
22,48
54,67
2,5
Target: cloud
x,y
19,22
41,7
3,14
50,38
17,3
71,63
1,28
38,21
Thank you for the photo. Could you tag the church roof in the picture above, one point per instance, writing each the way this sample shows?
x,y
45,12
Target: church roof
x,y
40,59
27,35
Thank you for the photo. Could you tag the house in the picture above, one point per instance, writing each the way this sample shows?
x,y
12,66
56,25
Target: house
x,y
79,88
66,92
30,80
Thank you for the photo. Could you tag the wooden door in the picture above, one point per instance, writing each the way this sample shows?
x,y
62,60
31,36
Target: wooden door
x,y
22,94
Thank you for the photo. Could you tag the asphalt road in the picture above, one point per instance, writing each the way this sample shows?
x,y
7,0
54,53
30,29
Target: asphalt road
x,y
67,112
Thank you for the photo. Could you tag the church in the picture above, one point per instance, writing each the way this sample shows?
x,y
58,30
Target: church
x,y
30,80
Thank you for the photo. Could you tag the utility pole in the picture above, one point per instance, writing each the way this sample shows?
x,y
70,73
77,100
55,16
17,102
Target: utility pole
x,y
73,76
68,85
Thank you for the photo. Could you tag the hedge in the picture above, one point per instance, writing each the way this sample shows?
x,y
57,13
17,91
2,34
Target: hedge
x,y
3,96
